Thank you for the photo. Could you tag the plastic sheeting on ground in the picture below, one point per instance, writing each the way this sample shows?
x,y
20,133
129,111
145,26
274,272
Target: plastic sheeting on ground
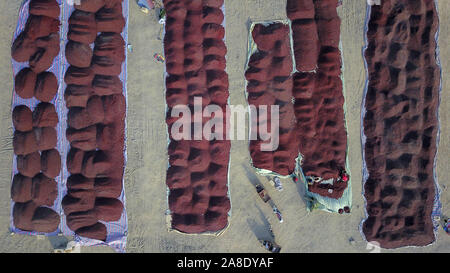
x,y
117,231
314,201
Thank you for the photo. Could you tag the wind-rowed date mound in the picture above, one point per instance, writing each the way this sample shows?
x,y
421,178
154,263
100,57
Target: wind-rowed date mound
x,y
96,117
400,123
270,84
195,61
317,89
34,189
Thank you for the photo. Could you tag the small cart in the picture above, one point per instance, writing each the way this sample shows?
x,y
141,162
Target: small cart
x,y
262,193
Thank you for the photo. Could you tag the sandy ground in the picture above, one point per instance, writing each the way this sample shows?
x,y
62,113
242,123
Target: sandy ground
x,y
147,155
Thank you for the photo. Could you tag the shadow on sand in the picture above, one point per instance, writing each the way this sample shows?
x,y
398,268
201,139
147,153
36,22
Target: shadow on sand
x,y
58,242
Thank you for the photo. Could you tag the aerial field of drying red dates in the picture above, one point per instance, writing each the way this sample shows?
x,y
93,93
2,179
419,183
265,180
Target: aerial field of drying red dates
x,y
332,129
